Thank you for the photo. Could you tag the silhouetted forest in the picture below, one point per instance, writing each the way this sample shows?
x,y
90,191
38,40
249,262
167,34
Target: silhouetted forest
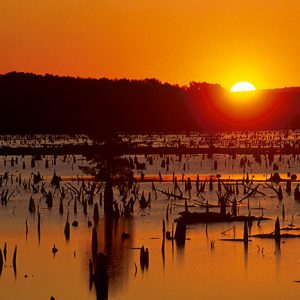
x,y
32,103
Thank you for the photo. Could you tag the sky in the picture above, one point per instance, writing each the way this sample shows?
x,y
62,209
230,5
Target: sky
x,y
175,41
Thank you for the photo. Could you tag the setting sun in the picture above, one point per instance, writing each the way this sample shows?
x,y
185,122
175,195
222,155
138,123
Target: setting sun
x,y
242,86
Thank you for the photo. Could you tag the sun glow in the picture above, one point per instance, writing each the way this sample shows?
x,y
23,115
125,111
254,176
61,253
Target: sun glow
x,y
242,86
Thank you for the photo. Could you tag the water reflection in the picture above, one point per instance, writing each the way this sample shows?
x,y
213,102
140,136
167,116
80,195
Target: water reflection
x,y
117,251
246,258
277,253
180,249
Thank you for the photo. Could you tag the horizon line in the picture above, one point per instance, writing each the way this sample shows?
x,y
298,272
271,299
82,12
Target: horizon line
x,y
140,79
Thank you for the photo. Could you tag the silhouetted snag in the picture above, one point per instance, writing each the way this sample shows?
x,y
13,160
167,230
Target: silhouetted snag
x,y
31,206
237,188
26,226
91,194
180,232
275,178
14,260
144,258
32,163
280,195
186,209
55,180
101,277
54,250
219,185
5,251
222,202
75,223
234,207
96,214
288,186
247,179
283,212
100,200
94,243
207,208
36,177
168,236
49,199
91,271
167,213
84,207
67,228
143,202
1,261
211,186
245,234
163,239
61,206
249,222
75,205
163,228
215,165
277,231
297,193
39,226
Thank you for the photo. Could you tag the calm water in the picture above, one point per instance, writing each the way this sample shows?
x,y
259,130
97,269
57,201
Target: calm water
x,y
195,271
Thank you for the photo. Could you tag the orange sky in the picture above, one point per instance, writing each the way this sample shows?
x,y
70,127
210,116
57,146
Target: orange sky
x,y
222,41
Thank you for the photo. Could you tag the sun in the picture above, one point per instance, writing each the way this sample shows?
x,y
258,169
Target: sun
x,y
242,86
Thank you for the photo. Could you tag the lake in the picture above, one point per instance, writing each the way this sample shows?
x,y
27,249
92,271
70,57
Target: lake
x,y
204,267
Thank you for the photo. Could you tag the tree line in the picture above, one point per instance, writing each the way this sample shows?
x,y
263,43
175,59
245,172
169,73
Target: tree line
x,y
32,103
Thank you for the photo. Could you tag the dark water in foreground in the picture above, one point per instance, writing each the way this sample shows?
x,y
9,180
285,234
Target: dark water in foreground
x,y
195,271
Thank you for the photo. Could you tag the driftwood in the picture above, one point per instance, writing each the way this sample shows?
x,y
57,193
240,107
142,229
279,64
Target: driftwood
x,y
214,217
251,193
276,233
